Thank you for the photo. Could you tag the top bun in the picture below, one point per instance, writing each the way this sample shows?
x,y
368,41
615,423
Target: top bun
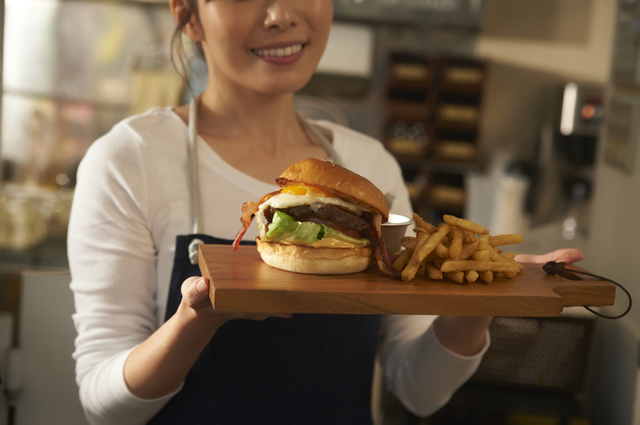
x,y
326,174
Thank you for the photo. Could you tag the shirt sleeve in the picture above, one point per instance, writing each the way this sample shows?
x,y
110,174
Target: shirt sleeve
x,y
112,259
418,370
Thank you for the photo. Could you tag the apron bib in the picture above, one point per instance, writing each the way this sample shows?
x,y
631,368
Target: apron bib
x,y
308,369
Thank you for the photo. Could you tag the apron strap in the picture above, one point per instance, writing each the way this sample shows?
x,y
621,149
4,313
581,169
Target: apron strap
x,y
326,144
196,204
194,180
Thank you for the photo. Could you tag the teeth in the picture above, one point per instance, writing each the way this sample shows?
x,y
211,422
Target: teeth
x,y
288,51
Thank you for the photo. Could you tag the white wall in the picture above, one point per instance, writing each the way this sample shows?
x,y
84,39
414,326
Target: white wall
x,y
554,51
531,48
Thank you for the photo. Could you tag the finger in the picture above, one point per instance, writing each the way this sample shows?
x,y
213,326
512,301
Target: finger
x,y
195,292
566,255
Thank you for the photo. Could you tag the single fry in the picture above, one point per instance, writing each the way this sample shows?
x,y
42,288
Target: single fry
x,y
457,277
495,256
469,250
509,275
509,255
431,257
508,239
402,259
465,224
420,230
515,263
456,243
481,255
486,277
442,251
471,276
422,250
480,266
433,273
483,244
423,224
470,237
409,242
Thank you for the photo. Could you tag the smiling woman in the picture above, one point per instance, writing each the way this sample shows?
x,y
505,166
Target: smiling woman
x,y
150,347
272,50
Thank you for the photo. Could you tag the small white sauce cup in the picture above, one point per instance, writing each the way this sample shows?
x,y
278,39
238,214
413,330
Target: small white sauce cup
x,y
394,230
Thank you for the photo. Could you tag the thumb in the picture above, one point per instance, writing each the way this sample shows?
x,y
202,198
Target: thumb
x,y
566,255
195,292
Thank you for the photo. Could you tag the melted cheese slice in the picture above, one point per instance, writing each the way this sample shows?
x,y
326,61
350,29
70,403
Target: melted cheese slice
x,y
333,243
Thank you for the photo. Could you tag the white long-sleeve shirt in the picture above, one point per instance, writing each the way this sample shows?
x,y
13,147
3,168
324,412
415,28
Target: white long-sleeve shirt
x,y
132,199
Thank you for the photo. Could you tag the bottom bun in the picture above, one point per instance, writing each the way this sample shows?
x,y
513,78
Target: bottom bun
x,y
302,259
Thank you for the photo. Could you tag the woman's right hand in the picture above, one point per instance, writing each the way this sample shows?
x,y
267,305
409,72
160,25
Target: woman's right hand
x,y
195,296
159,364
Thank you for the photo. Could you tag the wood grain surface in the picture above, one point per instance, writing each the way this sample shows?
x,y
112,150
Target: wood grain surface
x,y
241,281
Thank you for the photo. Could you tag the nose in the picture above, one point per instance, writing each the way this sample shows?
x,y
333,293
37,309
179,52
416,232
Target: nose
x,y
281,14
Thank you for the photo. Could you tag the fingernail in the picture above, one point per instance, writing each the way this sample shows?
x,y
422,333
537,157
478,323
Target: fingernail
x,y
201,286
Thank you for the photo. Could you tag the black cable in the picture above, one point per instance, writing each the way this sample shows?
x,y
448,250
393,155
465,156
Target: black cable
x,y
553,268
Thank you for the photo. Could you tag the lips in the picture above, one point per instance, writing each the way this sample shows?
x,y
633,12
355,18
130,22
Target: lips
x,y
280,54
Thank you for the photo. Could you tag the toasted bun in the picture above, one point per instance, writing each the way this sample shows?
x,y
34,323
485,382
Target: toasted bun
x,y
326,174
302,259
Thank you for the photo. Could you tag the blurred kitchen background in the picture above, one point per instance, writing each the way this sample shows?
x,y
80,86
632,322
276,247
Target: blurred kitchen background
x,y
521,115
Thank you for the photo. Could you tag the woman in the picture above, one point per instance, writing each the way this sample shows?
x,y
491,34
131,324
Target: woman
x,y
135,196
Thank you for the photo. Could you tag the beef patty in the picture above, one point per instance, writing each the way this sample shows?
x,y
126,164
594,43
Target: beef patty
x,y
325,213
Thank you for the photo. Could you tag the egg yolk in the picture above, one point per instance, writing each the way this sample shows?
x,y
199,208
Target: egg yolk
x,y
310,191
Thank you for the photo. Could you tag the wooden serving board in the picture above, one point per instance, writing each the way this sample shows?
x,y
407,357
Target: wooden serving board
x,y
241,281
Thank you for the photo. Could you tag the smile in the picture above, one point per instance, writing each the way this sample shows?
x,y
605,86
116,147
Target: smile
x,y
279,52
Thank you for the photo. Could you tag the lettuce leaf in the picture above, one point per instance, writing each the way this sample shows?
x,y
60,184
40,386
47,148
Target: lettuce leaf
x,y
285,229
281,226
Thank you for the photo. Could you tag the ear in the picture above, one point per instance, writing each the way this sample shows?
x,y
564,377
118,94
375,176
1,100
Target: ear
x,y
182,12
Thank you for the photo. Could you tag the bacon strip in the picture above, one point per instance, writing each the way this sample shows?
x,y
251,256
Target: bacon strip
x,y
249,210
385,262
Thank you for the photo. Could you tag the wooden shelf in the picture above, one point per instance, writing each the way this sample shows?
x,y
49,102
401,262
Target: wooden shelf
x,y
446,97
409,112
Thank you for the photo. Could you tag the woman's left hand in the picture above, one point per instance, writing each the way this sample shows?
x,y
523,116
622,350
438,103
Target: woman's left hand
x,y
566,255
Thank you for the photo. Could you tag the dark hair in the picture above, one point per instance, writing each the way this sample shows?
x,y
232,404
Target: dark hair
x,y
179,57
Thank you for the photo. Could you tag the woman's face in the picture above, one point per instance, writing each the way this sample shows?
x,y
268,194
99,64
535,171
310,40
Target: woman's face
x,y
270,46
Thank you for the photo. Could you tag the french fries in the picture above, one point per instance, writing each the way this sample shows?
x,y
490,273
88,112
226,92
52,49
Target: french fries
x,y
422,250
459,250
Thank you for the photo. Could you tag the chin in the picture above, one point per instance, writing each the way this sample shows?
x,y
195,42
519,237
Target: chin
x,y
283,85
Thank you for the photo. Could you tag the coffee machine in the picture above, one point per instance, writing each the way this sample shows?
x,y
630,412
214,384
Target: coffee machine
x,y
563,176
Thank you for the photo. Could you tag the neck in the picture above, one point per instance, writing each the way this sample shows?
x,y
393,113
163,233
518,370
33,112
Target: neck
x,y
233,113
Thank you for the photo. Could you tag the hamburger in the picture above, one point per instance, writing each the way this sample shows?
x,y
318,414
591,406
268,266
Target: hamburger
x,y
325,219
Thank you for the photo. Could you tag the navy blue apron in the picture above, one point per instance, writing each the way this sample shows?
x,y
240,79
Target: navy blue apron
x,y
307,369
